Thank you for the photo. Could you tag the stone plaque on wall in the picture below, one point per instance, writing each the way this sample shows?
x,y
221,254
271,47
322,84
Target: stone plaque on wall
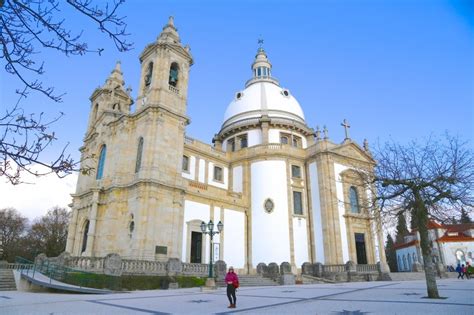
x,y
162,250
113,265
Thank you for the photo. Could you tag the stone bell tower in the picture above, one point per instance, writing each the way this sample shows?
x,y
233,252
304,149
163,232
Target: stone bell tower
x,y
165,66
111,98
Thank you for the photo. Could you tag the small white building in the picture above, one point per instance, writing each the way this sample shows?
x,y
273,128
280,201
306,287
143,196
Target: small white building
x,y
452,244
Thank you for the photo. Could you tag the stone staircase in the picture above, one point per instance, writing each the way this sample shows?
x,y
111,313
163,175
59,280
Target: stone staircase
x,y
250,281
307,279
7,281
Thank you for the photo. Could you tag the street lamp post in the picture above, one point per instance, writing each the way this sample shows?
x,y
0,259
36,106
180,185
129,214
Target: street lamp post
x,y
209,229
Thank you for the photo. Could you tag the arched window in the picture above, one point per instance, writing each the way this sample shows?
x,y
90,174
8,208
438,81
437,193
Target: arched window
x,y
399,263
149,74
414,258
405,263
100,166
174,71
96,109
138,162
409,262
84,236
354,199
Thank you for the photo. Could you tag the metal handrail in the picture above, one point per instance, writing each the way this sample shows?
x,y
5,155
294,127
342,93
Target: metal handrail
x,y
64,274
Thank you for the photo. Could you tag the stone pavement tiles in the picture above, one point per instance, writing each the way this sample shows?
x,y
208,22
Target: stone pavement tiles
x,y
337,299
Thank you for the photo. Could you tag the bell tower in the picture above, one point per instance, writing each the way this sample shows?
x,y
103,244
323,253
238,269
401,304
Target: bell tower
x,y
165,66
112,97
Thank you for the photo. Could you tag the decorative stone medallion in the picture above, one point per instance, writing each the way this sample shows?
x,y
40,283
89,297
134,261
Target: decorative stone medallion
x,y
268,205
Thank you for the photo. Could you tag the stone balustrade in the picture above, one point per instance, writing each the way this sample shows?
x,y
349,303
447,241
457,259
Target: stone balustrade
x,y
350,271
334,268
367,268
92,264
143,267
113,264
193,269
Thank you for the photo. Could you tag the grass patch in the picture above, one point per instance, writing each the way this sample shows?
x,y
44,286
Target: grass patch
x,y
130,283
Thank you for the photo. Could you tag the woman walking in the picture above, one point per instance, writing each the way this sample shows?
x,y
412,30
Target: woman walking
x,y
232,283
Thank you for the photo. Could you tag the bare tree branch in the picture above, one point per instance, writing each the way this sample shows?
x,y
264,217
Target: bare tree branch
x,y
27,27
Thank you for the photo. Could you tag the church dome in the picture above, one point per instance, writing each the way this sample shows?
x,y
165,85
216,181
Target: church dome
x,y
262,96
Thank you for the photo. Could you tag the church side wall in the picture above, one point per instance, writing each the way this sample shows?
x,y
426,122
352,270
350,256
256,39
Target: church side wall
x,y
317,215
237,183
234,238
270,231
254,137
338,169
202,171
300,236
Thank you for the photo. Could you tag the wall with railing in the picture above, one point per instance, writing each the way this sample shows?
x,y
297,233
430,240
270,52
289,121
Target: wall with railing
x,y
113,264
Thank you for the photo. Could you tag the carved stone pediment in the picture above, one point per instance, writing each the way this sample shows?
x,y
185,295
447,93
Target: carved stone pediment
x,y
352,150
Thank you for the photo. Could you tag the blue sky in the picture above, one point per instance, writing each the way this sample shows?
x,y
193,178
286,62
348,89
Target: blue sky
x,y
393,69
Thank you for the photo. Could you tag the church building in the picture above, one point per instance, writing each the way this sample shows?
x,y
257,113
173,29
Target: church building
x,y
283,191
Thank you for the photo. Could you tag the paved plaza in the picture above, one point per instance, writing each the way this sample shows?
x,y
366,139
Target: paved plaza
x,y
395,297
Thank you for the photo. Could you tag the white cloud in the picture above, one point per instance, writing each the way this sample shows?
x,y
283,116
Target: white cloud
x,y
35,199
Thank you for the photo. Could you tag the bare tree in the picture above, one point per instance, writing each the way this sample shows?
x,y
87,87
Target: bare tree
x,y
12,229
49,233
25,28
429,180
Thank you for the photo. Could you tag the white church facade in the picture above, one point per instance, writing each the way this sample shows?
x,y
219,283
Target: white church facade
x,y
283,191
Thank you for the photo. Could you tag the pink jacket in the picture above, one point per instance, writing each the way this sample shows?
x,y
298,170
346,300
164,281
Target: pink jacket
x,y
231,277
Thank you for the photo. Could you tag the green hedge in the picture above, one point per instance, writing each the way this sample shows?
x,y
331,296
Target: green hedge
x,y
131,282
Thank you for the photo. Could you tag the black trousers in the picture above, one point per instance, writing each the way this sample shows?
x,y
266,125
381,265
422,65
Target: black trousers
x,y
231,293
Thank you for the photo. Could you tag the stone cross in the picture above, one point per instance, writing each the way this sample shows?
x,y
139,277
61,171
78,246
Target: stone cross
x,y
346,126
318,133
325,132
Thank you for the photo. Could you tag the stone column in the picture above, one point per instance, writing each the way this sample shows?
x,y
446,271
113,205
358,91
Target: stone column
x,y
71,235
383,260
265,124
92,223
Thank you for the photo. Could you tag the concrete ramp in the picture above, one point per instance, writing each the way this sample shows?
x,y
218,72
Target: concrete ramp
x,y
41,281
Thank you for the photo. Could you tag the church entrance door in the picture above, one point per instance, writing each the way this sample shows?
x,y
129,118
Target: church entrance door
x,y
196,247
360,248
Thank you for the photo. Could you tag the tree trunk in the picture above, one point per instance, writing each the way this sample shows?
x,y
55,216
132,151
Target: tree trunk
x,y
430,273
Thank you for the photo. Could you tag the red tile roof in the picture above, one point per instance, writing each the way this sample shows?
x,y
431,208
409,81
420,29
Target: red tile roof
x,y
455,238
434,225
459,227
404,245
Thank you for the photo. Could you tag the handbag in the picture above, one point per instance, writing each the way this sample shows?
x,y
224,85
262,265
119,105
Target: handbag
x,y
235,284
